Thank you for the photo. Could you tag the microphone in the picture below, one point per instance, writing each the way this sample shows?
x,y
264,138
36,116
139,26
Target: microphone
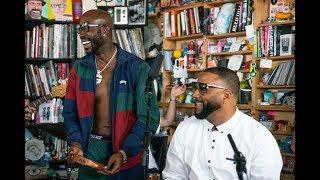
x,y
234,147
239,159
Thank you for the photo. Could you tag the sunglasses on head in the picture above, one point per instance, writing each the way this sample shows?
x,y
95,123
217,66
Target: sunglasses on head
x,y
203,87
85,26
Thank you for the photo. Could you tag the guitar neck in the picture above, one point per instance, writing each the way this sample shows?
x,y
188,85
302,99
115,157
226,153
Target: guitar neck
x,y
43,99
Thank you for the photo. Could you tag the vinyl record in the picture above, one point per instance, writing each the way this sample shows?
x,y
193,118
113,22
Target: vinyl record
x,y
34,149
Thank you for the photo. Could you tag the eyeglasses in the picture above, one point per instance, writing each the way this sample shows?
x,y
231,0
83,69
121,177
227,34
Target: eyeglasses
x,y
97,1
203,87
35,3
85,26
58,5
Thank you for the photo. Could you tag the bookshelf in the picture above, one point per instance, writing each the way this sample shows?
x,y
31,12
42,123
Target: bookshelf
x,y
277,112
175,42
260,20
51,48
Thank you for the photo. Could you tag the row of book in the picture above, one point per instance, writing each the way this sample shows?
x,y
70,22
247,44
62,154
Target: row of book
x,y
185,22
218,20
130,40
274,41
283,74
39,79
52,41
230,17
60,149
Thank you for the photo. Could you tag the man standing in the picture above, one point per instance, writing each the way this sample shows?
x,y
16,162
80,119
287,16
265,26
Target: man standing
x,y
34,9
200,148
105,109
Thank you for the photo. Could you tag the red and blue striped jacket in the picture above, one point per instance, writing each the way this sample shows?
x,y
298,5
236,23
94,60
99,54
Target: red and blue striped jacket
x,y
128,104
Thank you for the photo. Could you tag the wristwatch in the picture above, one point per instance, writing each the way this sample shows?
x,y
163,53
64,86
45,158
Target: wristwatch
x,y
124,156
172,99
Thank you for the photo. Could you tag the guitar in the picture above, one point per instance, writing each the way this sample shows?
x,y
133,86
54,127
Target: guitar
x,y
56,91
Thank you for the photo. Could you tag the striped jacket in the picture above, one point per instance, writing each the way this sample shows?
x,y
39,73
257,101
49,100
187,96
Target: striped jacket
x,y
127,106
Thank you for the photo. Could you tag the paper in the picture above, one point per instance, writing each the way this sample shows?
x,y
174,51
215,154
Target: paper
x,y
235,62
235,46
265,63
249,32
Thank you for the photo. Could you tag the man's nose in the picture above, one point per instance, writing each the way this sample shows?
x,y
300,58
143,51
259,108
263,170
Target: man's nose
x,y
196,94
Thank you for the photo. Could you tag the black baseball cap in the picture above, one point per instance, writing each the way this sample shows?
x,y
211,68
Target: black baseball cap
x,y
43,1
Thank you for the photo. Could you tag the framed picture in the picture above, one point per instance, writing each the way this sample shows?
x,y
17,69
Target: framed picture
x,y
137,12
286,44
120,15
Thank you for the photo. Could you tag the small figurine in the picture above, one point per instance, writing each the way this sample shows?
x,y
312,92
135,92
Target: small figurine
x,y
285,9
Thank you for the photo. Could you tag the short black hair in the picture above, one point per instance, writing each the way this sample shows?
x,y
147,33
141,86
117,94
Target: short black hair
x,y
228,76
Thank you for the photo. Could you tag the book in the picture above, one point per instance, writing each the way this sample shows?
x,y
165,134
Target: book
x,y
60,10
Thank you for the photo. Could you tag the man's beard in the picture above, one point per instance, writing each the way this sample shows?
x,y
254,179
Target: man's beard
x,y
207,109
96,42
35,14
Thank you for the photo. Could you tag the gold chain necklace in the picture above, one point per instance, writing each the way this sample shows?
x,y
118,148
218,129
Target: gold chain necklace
x,y
99,75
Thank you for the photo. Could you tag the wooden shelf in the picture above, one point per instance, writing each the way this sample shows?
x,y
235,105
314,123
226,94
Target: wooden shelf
x,y
243,106
221,2
220,36
44,124
179,38
290,22
55,129
42,60
153,15
282,133
276,108
274,87
181,7
286,176
287,154
230,53
278,58
197,4
179,105
38,21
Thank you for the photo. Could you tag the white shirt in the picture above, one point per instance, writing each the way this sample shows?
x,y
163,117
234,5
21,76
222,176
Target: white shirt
x,y
152,161
197,152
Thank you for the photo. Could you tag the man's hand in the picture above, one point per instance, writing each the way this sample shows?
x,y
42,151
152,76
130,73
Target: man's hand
x,y
29,112
114,163
74,150
177,90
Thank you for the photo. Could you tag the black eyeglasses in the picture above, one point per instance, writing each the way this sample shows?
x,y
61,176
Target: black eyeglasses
x,y
85,26
97,1
203,87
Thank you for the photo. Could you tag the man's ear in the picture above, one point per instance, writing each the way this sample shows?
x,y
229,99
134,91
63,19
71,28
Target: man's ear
x,y
227,94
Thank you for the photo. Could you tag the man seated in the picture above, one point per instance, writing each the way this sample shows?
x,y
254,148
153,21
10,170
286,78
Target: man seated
x,y
200,148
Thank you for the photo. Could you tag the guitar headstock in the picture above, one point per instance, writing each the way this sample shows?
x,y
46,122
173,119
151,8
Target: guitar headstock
x,y
59,90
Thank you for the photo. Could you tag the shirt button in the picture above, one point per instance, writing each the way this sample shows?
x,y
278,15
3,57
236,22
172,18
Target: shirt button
x,y
221,131
213,140
208,161
208,129
212,147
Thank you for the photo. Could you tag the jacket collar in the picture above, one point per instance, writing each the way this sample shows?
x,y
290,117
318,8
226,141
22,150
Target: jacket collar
x,y
88,59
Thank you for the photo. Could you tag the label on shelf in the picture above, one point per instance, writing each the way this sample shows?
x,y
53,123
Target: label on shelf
x,y
265,63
